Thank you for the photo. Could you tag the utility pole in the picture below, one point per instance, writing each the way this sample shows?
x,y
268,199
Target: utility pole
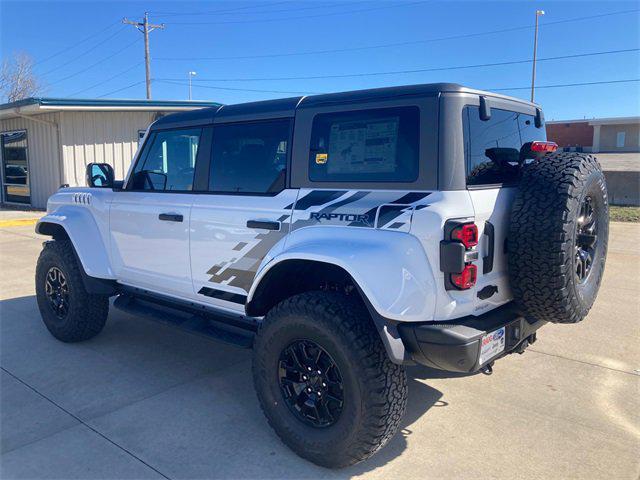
x,y
535,51
145,27
191,74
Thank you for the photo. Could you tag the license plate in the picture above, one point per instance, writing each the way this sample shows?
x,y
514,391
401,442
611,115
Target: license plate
x,y
492,345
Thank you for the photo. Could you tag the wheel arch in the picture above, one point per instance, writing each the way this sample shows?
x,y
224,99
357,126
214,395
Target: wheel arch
x,y
81,230
312,274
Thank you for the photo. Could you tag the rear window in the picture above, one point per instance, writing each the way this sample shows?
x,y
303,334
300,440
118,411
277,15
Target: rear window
x,y
492,147
376,145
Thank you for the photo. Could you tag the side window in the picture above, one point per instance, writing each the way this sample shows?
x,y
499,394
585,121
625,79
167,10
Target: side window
x,y
249,157
168,161
492,147
377,145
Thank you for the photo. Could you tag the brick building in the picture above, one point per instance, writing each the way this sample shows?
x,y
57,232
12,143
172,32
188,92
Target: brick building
x,y
597,135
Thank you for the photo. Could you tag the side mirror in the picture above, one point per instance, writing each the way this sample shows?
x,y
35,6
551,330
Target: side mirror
x,y
100,175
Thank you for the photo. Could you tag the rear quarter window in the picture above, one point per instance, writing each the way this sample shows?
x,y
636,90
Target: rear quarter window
x,y
375,145
492,147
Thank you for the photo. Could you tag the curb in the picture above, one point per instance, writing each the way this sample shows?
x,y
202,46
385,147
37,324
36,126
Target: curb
x,y
20,222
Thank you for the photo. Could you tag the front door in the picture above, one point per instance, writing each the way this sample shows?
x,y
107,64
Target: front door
x,y
15,167
246,213
150,218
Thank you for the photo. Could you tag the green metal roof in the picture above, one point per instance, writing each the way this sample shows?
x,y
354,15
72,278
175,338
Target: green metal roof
x,y
97,102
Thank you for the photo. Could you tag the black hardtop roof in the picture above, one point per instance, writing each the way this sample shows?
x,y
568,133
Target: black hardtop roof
x,y
286,107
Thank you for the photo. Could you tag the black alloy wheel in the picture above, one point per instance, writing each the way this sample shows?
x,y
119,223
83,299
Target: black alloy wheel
x,y
586,239
57,291
311,383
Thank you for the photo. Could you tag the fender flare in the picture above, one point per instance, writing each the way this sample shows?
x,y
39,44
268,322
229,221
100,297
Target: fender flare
x,y
83,232
390,270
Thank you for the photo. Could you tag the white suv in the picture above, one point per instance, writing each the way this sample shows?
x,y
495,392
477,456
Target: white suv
x,y
342,236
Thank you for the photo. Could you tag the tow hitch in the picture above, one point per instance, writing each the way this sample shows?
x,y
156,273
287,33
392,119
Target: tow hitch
x,y
487,369
525,343
522,346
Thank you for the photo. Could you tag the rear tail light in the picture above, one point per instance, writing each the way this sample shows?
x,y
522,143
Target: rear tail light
x,y
467,234
544,147
465,279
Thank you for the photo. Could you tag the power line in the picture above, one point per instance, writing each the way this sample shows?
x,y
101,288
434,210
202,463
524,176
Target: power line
x,y
121,89
76,44
280,19
216,12
253,12
106,80
177,82
99,62
416,70
396,44
76,57
561,85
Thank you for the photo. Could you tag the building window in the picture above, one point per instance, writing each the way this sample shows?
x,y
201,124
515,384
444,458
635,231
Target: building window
x,y
15,167
620,139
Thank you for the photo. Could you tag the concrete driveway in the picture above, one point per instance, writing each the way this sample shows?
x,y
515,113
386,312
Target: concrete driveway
x,y
143,400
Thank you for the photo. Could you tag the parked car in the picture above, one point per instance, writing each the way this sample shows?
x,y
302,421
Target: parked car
x,y
343,237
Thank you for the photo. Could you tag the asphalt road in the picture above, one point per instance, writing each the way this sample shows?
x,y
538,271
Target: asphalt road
x,y
143,400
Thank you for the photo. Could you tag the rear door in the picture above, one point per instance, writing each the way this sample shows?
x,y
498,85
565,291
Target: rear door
x,y
149,220
246,211
492,150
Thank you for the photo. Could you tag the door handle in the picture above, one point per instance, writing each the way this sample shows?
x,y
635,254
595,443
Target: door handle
x,y
487,260
171,217
265,225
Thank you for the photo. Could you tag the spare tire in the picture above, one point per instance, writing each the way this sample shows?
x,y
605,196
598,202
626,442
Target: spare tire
x,y
557,239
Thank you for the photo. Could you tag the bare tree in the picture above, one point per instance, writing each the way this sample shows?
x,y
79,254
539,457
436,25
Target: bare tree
x,y
17,80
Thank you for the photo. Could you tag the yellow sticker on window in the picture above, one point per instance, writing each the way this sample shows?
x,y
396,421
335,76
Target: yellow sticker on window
x,y
321,158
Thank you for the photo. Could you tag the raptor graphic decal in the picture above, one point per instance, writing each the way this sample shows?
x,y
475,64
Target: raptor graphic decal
x,y
365,209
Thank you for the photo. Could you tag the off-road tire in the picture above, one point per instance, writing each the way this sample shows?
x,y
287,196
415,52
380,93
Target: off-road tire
x,y
375,391
87,313
541,242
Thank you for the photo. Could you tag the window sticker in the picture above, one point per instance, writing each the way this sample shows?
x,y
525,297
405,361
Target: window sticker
x,y
321,158
363,146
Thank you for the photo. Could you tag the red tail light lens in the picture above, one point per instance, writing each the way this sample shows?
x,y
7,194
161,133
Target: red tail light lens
x,y
544,146
467,234
467,278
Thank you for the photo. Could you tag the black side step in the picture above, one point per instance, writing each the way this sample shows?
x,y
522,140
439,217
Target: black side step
x,y
236,331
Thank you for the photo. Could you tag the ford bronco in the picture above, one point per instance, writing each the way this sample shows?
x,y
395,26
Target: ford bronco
x,y
342,237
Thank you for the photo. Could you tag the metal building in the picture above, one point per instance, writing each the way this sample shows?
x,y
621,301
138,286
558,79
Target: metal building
x,y
47,142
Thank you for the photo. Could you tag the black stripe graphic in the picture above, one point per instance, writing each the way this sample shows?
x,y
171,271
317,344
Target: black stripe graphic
x,y
223,295
389,213
317,197
410,197
353,198
396,225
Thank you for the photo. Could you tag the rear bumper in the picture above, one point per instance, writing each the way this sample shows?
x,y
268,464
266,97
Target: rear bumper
x,y
455,345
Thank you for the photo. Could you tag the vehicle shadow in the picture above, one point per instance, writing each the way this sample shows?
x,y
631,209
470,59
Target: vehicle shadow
x,y
422,398
124,341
